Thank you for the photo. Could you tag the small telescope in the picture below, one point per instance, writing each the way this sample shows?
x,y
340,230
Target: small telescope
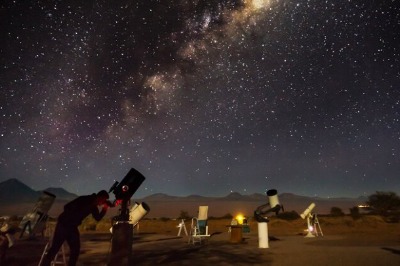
x,y
273,203
307,211
312,221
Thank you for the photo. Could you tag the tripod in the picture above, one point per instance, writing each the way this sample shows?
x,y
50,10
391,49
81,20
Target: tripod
x,y
313,226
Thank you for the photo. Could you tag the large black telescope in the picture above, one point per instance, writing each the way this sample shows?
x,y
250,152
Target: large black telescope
x,y
125,189
122,229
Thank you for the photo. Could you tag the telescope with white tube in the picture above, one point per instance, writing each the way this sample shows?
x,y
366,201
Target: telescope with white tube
x,y
307,211
312,221
123,224
259,214
137,212
273,204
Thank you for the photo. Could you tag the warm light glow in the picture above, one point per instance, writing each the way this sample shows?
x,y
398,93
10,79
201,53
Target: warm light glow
x,y
240,218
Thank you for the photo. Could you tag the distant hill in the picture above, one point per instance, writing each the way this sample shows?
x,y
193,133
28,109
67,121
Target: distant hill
x,y
17,198
235,196
160,196
61,193
163,205
14,191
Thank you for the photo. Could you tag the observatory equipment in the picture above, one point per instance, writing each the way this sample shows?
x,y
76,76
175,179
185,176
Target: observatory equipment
x,y
122,229
274,206
125,189
137,212
307,211
259,214
35,221
312,221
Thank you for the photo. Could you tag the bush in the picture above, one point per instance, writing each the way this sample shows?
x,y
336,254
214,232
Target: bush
x,y
289,216
227,216
384,203
184,215
336,211
355,213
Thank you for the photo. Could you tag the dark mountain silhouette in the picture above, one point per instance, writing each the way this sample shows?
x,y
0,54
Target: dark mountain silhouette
x,y
197,198
194,196
234,196
14,194
239,197
61,193
13,190
160,196
258,196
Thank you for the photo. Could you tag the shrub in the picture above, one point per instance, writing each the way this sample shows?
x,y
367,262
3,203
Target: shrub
x,y
384,202
355,213
184,215
227,216
336,211
289,216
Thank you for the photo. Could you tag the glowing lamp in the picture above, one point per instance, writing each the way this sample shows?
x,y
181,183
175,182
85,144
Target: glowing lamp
x,y
240,218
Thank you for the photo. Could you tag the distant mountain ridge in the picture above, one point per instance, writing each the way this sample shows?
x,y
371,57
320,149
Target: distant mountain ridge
x,y
235,196
61,193
14,191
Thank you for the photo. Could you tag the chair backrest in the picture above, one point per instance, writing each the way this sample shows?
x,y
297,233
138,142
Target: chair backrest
x,y
202,220
203,213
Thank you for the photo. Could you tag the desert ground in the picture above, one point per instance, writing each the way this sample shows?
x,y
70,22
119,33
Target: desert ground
x,y
369,240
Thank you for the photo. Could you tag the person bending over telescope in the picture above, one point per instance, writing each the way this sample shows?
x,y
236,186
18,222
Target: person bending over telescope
x,y
68,222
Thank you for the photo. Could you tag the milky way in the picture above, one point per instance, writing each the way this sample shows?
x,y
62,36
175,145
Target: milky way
x,y
202,97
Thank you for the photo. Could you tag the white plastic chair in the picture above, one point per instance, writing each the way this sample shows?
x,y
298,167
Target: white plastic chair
x,y
199,227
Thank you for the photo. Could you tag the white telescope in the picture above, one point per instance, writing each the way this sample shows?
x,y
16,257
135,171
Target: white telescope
x,y
307,211
137,212
273,198
259,215
312,221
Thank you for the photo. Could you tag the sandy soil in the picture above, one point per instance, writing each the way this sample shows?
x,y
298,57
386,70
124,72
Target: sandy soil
x,y
369,241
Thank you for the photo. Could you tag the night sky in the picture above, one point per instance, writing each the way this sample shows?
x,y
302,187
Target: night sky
x,y
202,97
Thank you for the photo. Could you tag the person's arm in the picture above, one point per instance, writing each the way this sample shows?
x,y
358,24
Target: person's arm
x,y
99,215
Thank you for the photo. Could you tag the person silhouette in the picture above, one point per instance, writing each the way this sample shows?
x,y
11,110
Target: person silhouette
x,y
69,220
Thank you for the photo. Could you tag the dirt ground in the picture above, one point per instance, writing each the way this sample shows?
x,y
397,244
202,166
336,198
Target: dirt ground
x,y
369,241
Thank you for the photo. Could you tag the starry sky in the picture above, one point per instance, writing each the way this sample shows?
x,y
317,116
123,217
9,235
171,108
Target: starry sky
x,y
202,97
